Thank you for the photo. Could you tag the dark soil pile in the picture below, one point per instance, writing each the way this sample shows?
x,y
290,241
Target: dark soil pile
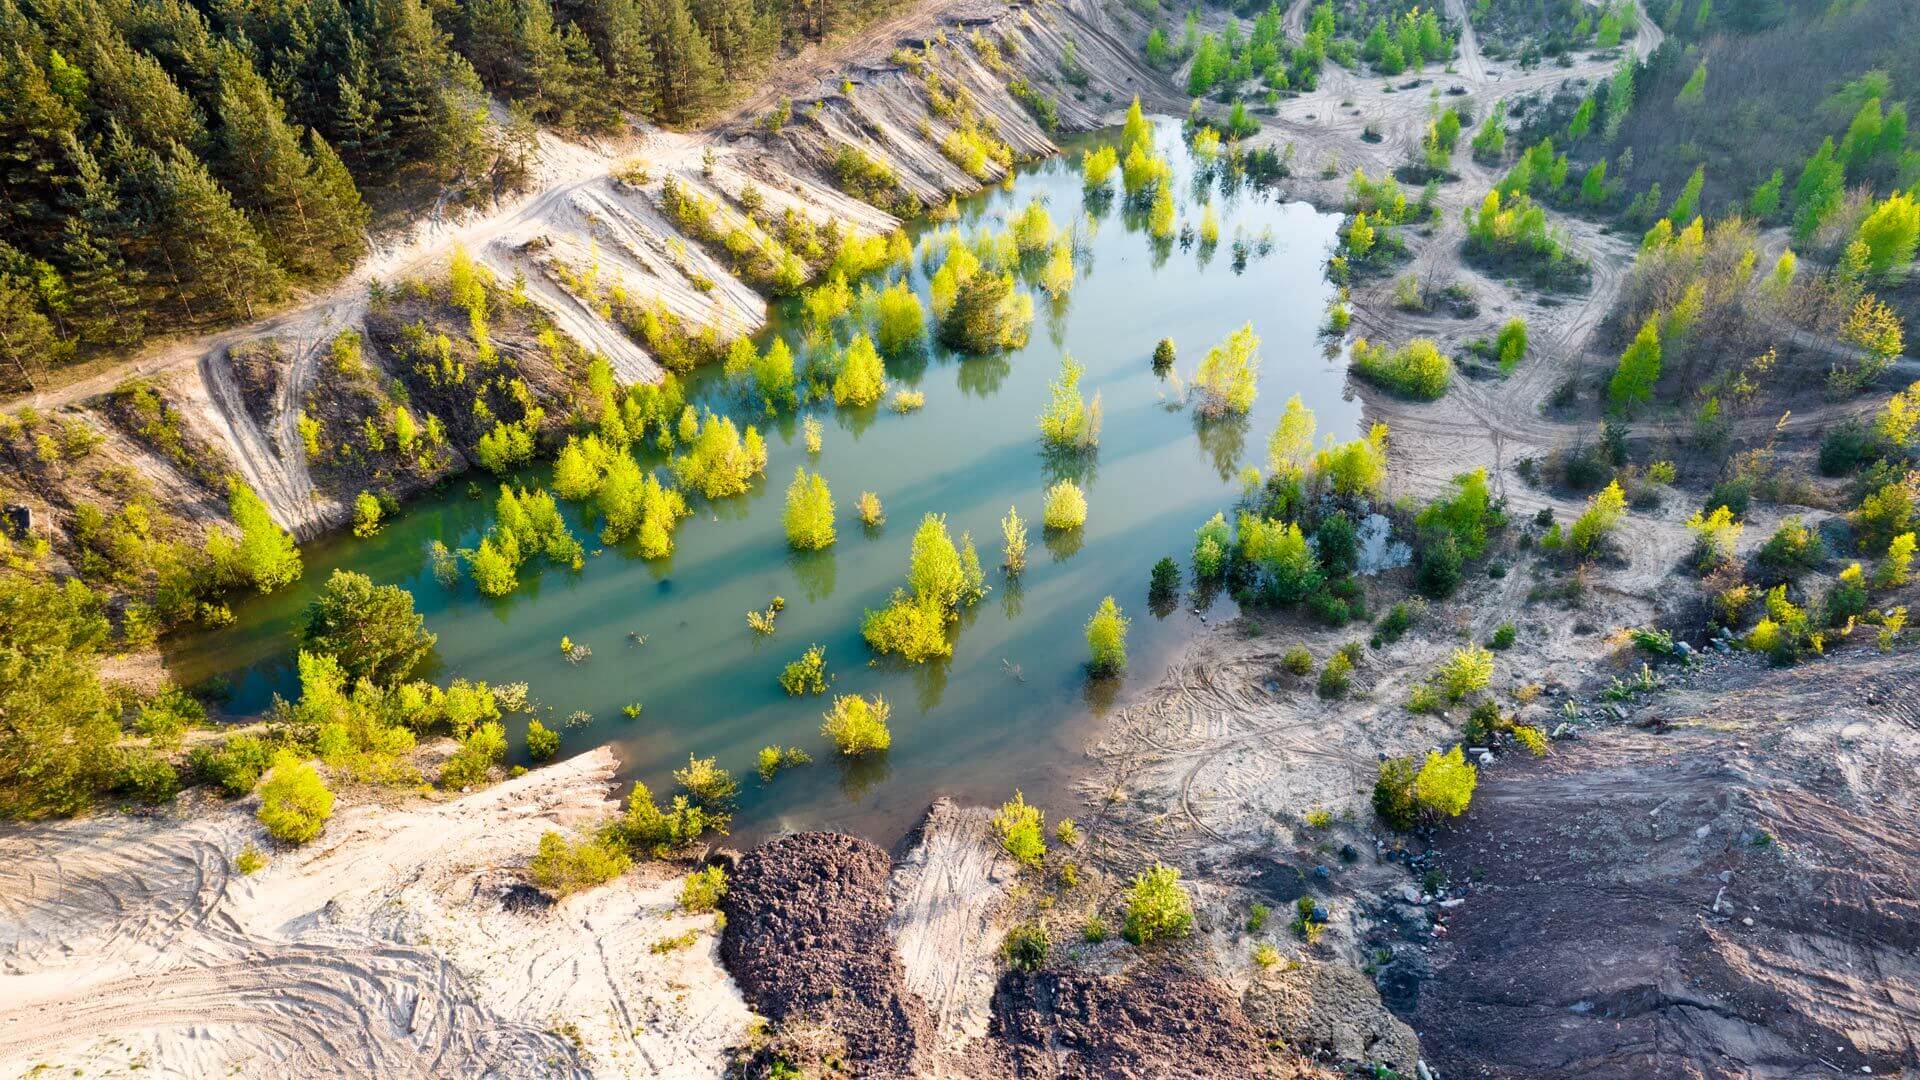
x,y
1160,1021
1731,896
807,940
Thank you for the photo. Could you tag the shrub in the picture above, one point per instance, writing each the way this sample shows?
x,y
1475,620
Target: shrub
x,y
1069,423
871,515
1066,507
774,758
858,726
807,675
542,741
250,861
1416,369
1021,828
1107,639
294,802
1503,636
146,775
1158,907
1210,546
1336,676
1164,582
483,748
1393,800
562,867
1602,516
1792,548
1025,947
988,315
235,765
702,890
1446,782
1467,671
1510,347
809,514
707,783
366,515
645,827
1227,381
1163,355
1067,831
1297,661
1013,534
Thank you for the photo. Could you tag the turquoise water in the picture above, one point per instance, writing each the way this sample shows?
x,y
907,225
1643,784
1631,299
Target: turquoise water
x,y
1013,706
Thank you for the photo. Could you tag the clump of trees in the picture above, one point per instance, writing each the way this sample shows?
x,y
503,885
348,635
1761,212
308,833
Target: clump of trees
x,y
1227,380
1440,787
1417,369
941,580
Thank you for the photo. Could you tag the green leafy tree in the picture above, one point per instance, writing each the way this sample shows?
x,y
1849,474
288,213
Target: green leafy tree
x,y
857,726
1639,370
372,631
265,556
1446,782
58,723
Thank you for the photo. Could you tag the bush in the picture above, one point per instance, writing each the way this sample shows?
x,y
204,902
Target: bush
x,y
1393,800
1297,661
1025,947
1066,507
235,765
774,758
809,513
483,748
1336,676
542,741
858,726
250,861
1107,639
1416,369
707,783
1467,671
645,827
702,890
294,802
562,867
146,775
1022,830
1602,516
1503,636
1165,579
807,675
1792,549
1158,907
1446,782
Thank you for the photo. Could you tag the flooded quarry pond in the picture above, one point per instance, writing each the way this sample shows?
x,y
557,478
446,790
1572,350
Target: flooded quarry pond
x,y
1013,707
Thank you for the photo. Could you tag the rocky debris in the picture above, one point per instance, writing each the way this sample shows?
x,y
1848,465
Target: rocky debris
x,y
1160,1020
1332,1012
807,938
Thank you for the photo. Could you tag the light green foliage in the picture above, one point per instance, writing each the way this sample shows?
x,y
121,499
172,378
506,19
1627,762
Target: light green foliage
x,y
1639,370
988,315
1013,534
1715,536
1065,507
707,783
808,674
1290,447
719,461
899,320
774,758
858,726
809,514
1890,233
366,515
1069,422
526,523
294,802
265,557
1336,676
370,630
862,379
646,828
1467,671
1107,639
562,867
1097,166
702,890
1603,514
483,748
1417,369
250,861
1356,468
1022,830
1445,783
1792,548
1158,907
1467,513
1211,546
542,741
1894,567
235,764
1511,346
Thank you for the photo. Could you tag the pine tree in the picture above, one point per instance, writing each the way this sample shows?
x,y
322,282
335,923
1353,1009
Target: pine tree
x,y
210,250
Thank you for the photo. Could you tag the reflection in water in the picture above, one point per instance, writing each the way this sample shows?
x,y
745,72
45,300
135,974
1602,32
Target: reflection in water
x,y
1102,693
981,376
1064,544
1223,438
859,775
815,571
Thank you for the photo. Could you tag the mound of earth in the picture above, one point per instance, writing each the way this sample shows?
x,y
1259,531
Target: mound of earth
x,y
807,939
1731,890
1332,1012
1159,1021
